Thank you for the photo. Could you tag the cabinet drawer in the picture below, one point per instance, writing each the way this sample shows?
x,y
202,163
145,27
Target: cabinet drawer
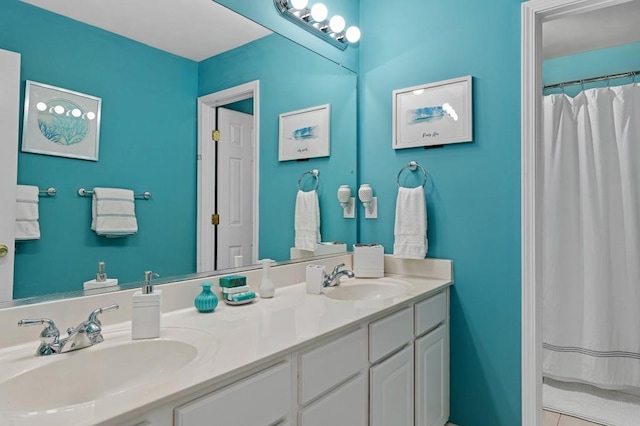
x,y
390,333
261,399
325,367
431,312
345,406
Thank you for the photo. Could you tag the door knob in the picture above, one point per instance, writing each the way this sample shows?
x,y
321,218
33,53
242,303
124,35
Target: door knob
x,y
4,250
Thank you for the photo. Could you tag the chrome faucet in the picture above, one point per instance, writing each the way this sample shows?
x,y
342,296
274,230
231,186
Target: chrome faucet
x,y
87,333
333,279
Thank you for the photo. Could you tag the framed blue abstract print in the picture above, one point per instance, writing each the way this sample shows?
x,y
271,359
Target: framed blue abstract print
x,y
433,114
305,133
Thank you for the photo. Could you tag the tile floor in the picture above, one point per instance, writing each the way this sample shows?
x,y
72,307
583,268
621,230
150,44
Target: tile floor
x,y
550,418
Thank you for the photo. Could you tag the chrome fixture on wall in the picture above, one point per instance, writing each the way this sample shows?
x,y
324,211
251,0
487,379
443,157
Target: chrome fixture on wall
x,y
314,19
347,201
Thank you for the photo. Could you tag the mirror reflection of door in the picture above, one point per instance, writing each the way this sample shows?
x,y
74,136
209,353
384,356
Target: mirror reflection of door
x,y
9,101
228,178
234,191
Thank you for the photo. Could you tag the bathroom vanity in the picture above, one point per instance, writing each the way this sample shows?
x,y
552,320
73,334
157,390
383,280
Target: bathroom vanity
x,y
296,359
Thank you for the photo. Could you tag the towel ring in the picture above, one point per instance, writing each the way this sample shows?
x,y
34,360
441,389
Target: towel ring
x,y
315,173
412,165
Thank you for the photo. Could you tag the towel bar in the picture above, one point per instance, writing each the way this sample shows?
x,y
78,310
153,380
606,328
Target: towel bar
x,y
87,193
51,192
412,165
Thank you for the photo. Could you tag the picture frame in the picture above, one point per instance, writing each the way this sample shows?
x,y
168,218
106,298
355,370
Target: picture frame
x,y
305,133
60,122
433,114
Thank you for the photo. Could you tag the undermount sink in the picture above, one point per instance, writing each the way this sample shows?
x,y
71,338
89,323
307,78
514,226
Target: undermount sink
x,y
89,374
368,289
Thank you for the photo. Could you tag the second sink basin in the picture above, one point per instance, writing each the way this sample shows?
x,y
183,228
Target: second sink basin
x,y
368,289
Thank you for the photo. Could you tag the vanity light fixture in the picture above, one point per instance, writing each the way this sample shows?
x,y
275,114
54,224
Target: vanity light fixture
x,y
314,20
347,201
370,203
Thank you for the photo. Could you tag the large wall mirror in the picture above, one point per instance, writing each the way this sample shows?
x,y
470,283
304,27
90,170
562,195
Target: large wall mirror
x,y
149,85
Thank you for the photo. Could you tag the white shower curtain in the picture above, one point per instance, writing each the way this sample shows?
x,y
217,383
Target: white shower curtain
x,y
591,236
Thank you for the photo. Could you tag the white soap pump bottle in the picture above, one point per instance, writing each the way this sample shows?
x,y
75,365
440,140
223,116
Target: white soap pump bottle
x,y
266,289
145,319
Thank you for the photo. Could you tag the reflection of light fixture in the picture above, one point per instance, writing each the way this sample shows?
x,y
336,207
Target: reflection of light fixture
x,y
41,106
370,203
347,201
314,20
58,109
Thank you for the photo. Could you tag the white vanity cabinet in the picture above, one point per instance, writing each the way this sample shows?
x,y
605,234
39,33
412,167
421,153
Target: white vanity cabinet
x,y
391,371
432,361
334,375
259,400
391,390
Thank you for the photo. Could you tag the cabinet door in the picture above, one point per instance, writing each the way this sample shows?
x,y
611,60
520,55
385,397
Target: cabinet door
x,y
391,390
260,400
432,378
345,406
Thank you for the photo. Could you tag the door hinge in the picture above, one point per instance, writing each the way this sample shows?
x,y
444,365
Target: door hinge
x,y
215,135
215,219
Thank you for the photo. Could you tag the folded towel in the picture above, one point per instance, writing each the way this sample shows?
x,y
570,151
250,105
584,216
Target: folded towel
x,y
307,220
113,212
411,224
27,226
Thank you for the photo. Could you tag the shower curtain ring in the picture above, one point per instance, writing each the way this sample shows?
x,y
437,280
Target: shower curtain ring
x,y
562,87
582,84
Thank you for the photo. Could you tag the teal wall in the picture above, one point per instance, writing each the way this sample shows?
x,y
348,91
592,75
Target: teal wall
x,y
147,143
595,63
292,78
265,13
473,193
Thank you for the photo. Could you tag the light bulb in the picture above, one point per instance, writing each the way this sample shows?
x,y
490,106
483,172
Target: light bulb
x,y
59,109
337,24
353,34
319,12
299,4
41,106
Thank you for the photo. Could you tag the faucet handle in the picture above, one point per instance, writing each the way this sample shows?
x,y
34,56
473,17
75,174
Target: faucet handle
x,y
93,317
49,335
337,268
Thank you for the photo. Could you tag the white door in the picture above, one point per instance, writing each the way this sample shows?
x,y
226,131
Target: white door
x,y
391,390
432,379
9,107
235,188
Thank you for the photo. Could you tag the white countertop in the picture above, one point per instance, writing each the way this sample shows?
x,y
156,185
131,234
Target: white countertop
x,y
230,340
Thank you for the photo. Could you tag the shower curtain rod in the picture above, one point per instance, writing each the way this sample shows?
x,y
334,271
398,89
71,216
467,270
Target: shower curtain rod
x,y
593,79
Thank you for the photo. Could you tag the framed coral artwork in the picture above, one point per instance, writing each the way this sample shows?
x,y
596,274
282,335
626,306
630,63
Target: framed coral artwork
x,y
305,133
60,122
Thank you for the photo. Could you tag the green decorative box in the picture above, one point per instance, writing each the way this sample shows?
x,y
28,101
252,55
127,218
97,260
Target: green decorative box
x,y
233,281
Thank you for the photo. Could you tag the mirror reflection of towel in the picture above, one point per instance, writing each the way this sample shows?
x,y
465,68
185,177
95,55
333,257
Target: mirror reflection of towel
x,y
307,220
113,212
411,224
27,225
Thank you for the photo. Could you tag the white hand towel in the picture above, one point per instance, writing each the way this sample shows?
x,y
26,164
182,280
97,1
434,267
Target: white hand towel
x,y
27,225
113,212
307,220
411,224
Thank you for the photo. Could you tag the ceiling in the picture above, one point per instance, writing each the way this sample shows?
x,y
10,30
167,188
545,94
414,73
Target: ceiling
x,y
599,29
194,29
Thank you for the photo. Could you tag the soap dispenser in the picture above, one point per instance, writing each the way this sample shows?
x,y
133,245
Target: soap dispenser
x,y
145,320
101,279
266,289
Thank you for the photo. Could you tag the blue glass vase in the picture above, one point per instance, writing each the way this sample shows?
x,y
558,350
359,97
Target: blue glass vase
x,y
207,300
